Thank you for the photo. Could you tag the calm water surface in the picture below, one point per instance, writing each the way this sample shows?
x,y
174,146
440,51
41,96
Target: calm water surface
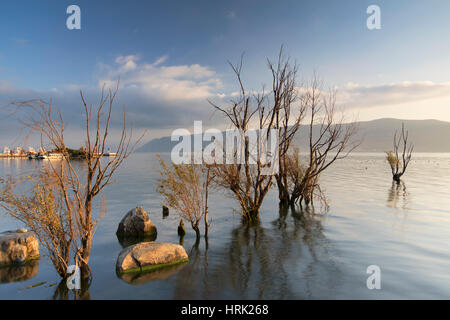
x,y
404,229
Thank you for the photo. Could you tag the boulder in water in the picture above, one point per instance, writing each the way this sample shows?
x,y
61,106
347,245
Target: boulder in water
x,y
18,247
148,256
136,223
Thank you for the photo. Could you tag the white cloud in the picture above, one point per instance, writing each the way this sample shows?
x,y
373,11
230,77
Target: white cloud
x,y
156,81
127,63
354,95
160,60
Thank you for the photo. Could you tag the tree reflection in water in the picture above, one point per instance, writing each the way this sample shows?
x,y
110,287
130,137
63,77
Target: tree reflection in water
x,y
398,196
63,293
279,262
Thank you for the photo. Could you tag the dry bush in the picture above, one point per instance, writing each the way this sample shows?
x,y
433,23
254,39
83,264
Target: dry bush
x,y
41,208
185,188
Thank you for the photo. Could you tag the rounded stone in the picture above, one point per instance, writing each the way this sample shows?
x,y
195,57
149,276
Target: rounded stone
x,y
148,256
136,223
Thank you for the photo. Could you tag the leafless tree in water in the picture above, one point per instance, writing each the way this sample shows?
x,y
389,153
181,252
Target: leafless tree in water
x,y
245,176
399,163
75,188
287,108
329,139
287,111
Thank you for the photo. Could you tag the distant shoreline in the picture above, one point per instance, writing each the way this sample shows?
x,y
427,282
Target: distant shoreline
x,y
4,156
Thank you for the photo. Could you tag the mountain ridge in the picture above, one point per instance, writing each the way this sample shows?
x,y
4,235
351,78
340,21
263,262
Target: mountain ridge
x,y
429,135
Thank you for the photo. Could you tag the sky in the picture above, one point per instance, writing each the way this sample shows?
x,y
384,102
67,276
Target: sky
x,y
172,56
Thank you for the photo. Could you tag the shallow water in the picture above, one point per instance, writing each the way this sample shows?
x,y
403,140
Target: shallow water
x,y
404,229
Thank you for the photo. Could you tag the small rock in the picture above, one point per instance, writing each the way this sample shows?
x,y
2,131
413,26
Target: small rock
x,y
181,229
17,247
136,223
148,256
165,211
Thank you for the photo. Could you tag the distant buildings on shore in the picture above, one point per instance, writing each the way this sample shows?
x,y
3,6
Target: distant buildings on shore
x,y
31,153
16,152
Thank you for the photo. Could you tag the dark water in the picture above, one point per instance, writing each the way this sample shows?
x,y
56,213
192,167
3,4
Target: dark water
x,y
404,229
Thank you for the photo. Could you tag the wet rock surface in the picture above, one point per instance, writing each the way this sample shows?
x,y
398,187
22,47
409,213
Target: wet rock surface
x,y
149,256
136,223
17,247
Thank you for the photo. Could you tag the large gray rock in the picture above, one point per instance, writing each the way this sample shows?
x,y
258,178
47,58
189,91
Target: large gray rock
x,y
136,223
18,247
148,256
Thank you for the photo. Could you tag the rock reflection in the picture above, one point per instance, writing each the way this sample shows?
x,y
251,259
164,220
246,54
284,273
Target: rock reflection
x,y
19,273
129,241
262,263
398,196
144,277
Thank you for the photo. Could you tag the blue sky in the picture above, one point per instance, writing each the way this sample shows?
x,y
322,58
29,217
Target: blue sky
x,y
172,55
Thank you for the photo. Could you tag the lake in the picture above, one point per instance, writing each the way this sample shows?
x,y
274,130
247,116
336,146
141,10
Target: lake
x,y
404,229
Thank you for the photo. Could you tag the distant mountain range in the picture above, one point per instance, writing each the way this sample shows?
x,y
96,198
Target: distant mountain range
x,y
376,136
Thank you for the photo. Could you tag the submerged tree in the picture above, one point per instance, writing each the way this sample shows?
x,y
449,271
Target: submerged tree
x,y
328,139
74,187
398,163
244,174
287,111
185,188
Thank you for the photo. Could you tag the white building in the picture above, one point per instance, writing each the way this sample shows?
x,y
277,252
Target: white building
x,y
18,151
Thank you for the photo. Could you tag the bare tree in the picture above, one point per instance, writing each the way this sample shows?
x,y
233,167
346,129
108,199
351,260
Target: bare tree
x,y
329,140
79,193
245,176
398,165
185,188
287,112
285,109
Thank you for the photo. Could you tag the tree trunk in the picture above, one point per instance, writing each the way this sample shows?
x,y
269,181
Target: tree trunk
x,y
85,255
86,239
197,231
396,177
283,193
205,217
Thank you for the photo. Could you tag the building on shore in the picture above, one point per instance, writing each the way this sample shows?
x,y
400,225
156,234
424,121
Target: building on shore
x,y
17,152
